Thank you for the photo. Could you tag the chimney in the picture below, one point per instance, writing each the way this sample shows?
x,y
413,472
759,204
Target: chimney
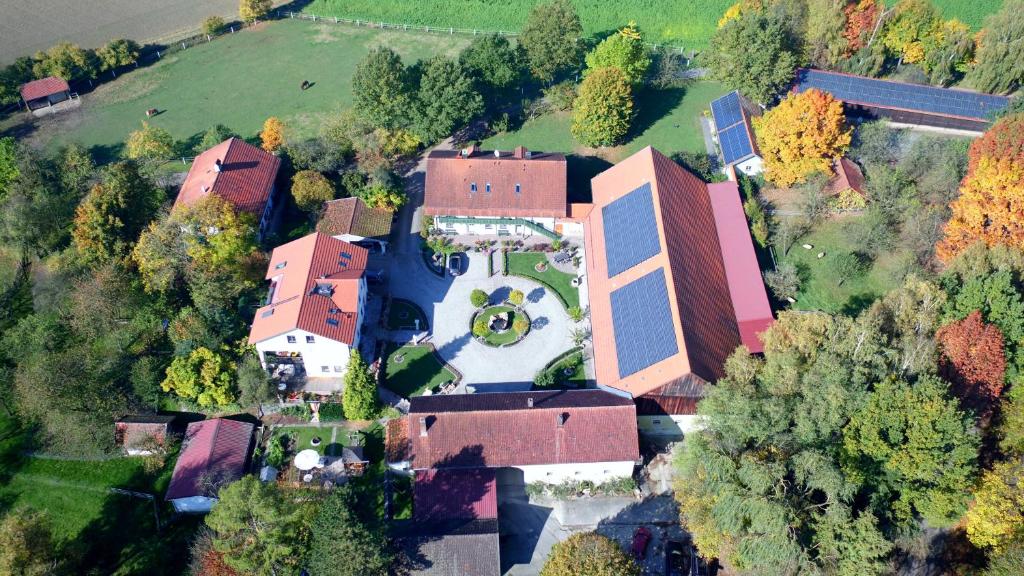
x,y
521,152
470,150
562,417
423,426
216,165
529,402
497,153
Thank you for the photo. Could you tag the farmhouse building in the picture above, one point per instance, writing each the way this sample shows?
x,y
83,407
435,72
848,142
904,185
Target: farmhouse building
x,y
902,103
495,192
314,308
351,220
674,286
547,436
238,172
46,95
735,133
213,453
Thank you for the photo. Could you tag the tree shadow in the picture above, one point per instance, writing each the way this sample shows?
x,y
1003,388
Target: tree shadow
x,y
106,153
540,322
500,294
581,169
535,295
658,514
857,303
521,523
448,350
653,104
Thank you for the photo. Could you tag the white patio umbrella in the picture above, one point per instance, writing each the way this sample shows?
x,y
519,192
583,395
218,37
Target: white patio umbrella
x,y
307,460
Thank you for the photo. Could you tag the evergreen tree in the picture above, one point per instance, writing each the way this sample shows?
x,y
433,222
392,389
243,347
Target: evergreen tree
x,y
359,399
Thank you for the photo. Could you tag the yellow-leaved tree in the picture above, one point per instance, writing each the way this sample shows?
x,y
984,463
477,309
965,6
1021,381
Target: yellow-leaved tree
x,y
802,136
996,517
272,135
990,207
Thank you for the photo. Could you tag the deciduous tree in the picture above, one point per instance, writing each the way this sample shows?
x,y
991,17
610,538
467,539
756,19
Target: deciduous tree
x,y
310,190
272,135
551,39
905,32
26,544
478,298
204,376
343,542
258,529
515,298
383,197
117,53
996,517
801,136
826,30
602,112
252,10
382,90
973,361
625,51
447,99
150,143
948,51
114,213
588,554
254,384
999,65
861,20
359,399
753,53
213,136
497,65
66,60
8,163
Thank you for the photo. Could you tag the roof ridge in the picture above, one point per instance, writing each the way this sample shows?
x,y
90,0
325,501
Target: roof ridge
x,y
213,439
217,173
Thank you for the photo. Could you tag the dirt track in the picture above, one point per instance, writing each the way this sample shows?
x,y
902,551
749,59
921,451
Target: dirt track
x,y
27,26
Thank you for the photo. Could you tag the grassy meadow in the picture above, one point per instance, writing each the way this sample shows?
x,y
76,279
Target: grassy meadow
x,y
971,12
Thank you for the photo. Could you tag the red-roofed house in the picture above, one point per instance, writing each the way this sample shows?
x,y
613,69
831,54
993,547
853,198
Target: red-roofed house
x,y
45,93
550,436
848,178
314,308
674,286
494,192
238,172
213,453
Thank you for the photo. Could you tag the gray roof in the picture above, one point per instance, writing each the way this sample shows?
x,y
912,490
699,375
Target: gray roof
x,y
462,547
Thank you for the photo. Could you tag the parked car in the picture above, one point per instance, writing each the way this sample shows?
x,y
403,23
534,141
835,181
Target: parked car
x,y
641,538
678,559
455,264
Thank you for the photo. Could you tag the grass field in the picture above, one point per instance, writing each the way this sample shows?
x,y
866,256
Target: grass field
x,y
819,290
87,518
522,264
669,120
418,371
238,80
971,12
687,23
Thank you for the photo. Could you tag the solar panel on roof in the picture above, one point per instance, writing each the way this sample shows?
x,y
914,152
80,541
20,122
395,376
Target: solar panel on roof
x,y
735,143
642,320
726,111
889,94
630,230
346,255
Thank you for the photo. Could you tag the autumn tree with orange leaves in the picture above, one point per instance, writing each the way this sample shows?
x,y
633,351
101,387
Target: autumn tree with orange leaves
x,y
973,360
991,203
802,136
861,18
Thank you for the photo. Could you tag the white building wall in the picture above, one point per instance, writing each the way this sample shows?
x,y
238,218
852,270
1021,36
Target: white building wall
x,y
193,504
315,355
596,472
668,425
493,229
751,166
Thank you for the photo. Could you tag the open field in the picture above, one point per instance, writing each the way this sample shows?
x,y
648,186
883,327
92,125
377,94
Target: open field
x,y
238,80
971,12
685,23
86,517
32,25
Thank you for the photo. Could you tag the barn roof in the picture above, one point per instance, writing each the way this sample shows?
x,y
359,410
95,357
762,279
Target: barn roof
x,y
43,87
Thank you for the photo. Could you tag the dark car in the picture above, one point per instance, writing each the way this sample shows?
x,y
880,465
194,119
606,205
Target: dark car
x,y
455,264
678,559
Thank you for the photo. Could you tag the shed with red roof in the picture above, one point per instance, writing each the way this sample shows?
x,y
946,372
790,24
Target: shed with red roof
x,y
45,93
214,452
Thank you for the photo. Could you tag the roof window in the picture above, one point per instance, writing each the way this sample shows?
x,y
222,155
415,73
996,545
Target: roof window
x,y
519,189
472,187
487,188
285,263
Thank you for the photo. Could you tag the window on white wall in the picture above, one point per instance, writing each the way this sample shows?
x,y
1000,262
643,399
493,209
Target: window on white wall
x,y
656,422
338,368
291,339
310,340
325,368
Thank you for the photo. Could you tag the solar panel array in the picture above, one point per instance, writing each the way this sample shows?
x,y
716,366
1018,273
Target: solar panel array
x,y
642,320
630,230
888,94
733,136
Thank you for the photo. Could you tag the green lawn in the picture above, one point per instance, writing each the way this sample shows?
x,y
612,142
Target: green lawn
x,y
86,516
500,338
522,264
668,120
819,289
687,23
238,80
418,371
971,12
401,497
402,315
302,435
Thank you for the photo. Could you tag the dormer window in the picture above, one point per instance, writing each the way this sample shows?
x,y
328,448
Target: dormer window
x,y
487,188
519,188
472,187
283,264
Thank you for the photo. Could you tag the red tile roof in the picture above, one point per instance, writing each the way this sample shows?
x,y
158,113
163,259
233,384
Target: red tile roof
x,y
848,177
742,272
541,179
43,87
246,176
500,429
216,447
137,431
353,216
692,254
296,270
455,494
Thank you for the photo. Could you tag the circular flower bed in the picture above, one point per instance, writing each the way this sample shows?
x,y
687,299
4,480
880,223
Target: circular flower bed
x,y
540,266
501,325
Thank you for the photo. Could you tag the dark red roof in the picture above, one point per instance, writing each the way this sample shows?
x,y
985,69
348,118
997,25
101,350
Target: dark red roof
x,y
455,494
501,429
43,87
451,176
353,216
848,177
742,272
245,179
216,448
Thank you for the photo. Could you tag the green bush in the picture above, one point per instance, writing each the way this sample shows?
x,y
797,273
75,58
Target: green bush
x,y
331,412
213,25
478,298
277,450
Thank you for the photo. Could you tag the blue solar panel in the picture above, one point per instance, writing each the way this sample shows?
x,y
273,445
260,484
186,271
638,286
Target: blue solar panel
x,y
888,94
726,111
630,230
642,319
735,143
